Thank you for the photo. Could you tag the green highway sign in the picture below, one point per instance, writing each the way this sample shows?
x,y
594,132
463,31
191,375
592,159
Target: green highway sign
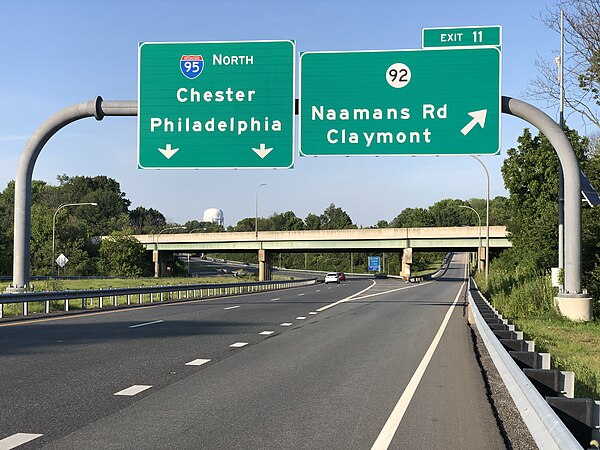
x,y
222,105
405,102
462,37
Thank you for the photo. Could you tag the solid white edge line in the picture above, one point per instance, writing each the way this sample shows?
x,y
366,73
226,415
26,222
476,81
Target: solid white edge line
x,y
17,439
197,362
147,323
133,390
391,425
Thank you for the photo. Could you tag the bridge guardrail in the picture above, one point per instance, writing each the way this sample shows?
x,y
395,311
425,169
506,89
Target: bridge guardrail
x,y
182,292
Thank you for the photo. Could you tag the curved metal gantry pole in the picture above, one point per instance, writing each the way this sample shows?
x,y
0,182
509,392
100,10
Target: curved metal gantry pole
x,y
22,232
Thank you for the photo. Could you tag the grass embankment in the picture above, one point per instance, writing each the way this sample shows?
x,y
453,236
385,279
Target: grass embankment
x,y
15,309
430,269
527,300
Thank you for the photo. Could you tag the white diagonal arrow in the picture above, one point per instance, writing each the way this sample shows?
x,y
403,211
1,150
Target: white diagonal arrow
x,y
478,118
168,151
262,150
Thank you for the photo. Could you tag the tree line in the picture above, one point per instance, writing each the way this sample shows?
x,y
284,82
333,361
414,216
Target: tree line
x,y
530,174
77,230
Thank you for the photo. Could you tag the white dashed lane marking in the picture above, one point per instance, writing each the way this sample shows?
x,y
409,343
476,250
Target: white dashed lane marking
x,y
286,324
266,333
300,318
147,323
197,362
17,439
133,390
300,295
238,344
275,299
312,313
232,307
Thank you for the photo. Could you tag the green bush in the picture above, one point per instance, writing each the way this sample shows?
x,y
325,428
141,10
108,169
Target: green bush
x,y
519,293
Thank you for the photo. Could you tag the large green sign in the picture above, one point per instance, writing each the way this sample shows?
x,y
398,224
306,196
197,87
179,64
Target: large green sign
x,y
410,102
216,105
462,37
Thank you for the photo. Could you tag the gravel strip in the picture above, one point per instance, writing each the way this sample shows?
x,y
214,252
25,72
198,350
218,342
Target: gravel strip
x,y
513,429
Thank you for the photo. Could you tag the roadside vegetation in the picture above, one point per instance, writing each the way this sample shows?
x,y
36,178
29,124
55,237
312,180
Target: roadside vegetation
x,y
519,284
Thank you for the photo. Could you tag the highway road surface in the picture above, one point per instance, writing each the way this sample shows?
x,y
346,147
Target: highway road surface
x,y
363,364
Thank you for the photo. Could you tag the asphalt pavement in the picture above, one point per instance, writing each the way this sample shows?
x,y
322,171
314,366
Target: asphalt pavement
x,y
362,364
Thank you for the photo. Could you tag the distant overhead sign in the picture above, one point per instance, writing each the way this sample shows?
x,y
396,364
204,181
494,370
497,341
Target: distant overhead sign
x,y
216,105
405,102
462,37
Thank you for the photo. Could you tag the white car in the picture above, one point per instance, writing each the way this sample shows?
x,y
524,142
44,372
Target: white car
x,y
332,277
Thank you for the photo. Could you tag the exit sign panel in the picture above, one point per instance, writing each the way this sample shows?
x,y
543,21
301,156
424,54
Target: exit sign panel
x,y
462,37
406,102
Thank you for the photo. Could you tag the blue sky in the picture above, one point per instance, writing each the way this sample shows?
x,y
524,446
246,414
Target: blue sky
x,y
58,53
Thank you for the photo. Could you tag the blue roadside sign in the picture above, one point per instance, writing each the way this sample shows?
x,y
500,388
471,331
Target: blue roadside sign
x,y
374,263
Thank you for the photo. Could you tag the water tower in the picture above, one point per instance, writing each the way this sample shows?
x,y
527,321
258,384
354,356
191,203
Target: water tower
x,y
213,215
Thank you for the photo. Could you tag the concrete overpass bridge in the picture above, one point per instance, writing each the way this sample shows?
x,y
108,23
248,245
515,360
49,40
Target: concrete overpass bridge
x,y
265,243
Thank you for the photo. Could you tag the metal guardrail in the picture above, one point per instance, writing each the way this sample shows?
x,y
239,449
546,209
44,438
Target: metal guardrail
x,y
150,294
546,428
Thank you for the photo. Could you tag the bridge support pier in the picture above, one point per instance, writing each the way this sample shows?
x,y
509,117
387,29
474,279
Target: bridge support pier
x,y
406,262
161,262
481,261
264,265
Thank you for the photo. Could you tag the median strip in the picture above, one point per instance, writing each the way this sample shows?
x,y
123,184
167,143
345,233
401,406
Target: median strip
x,y
17,439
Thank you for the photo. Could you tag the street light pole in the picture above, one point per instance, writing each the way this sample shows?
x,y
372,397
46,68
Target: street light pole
x,y
256,211
156,263
479,247
54,224
487,220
